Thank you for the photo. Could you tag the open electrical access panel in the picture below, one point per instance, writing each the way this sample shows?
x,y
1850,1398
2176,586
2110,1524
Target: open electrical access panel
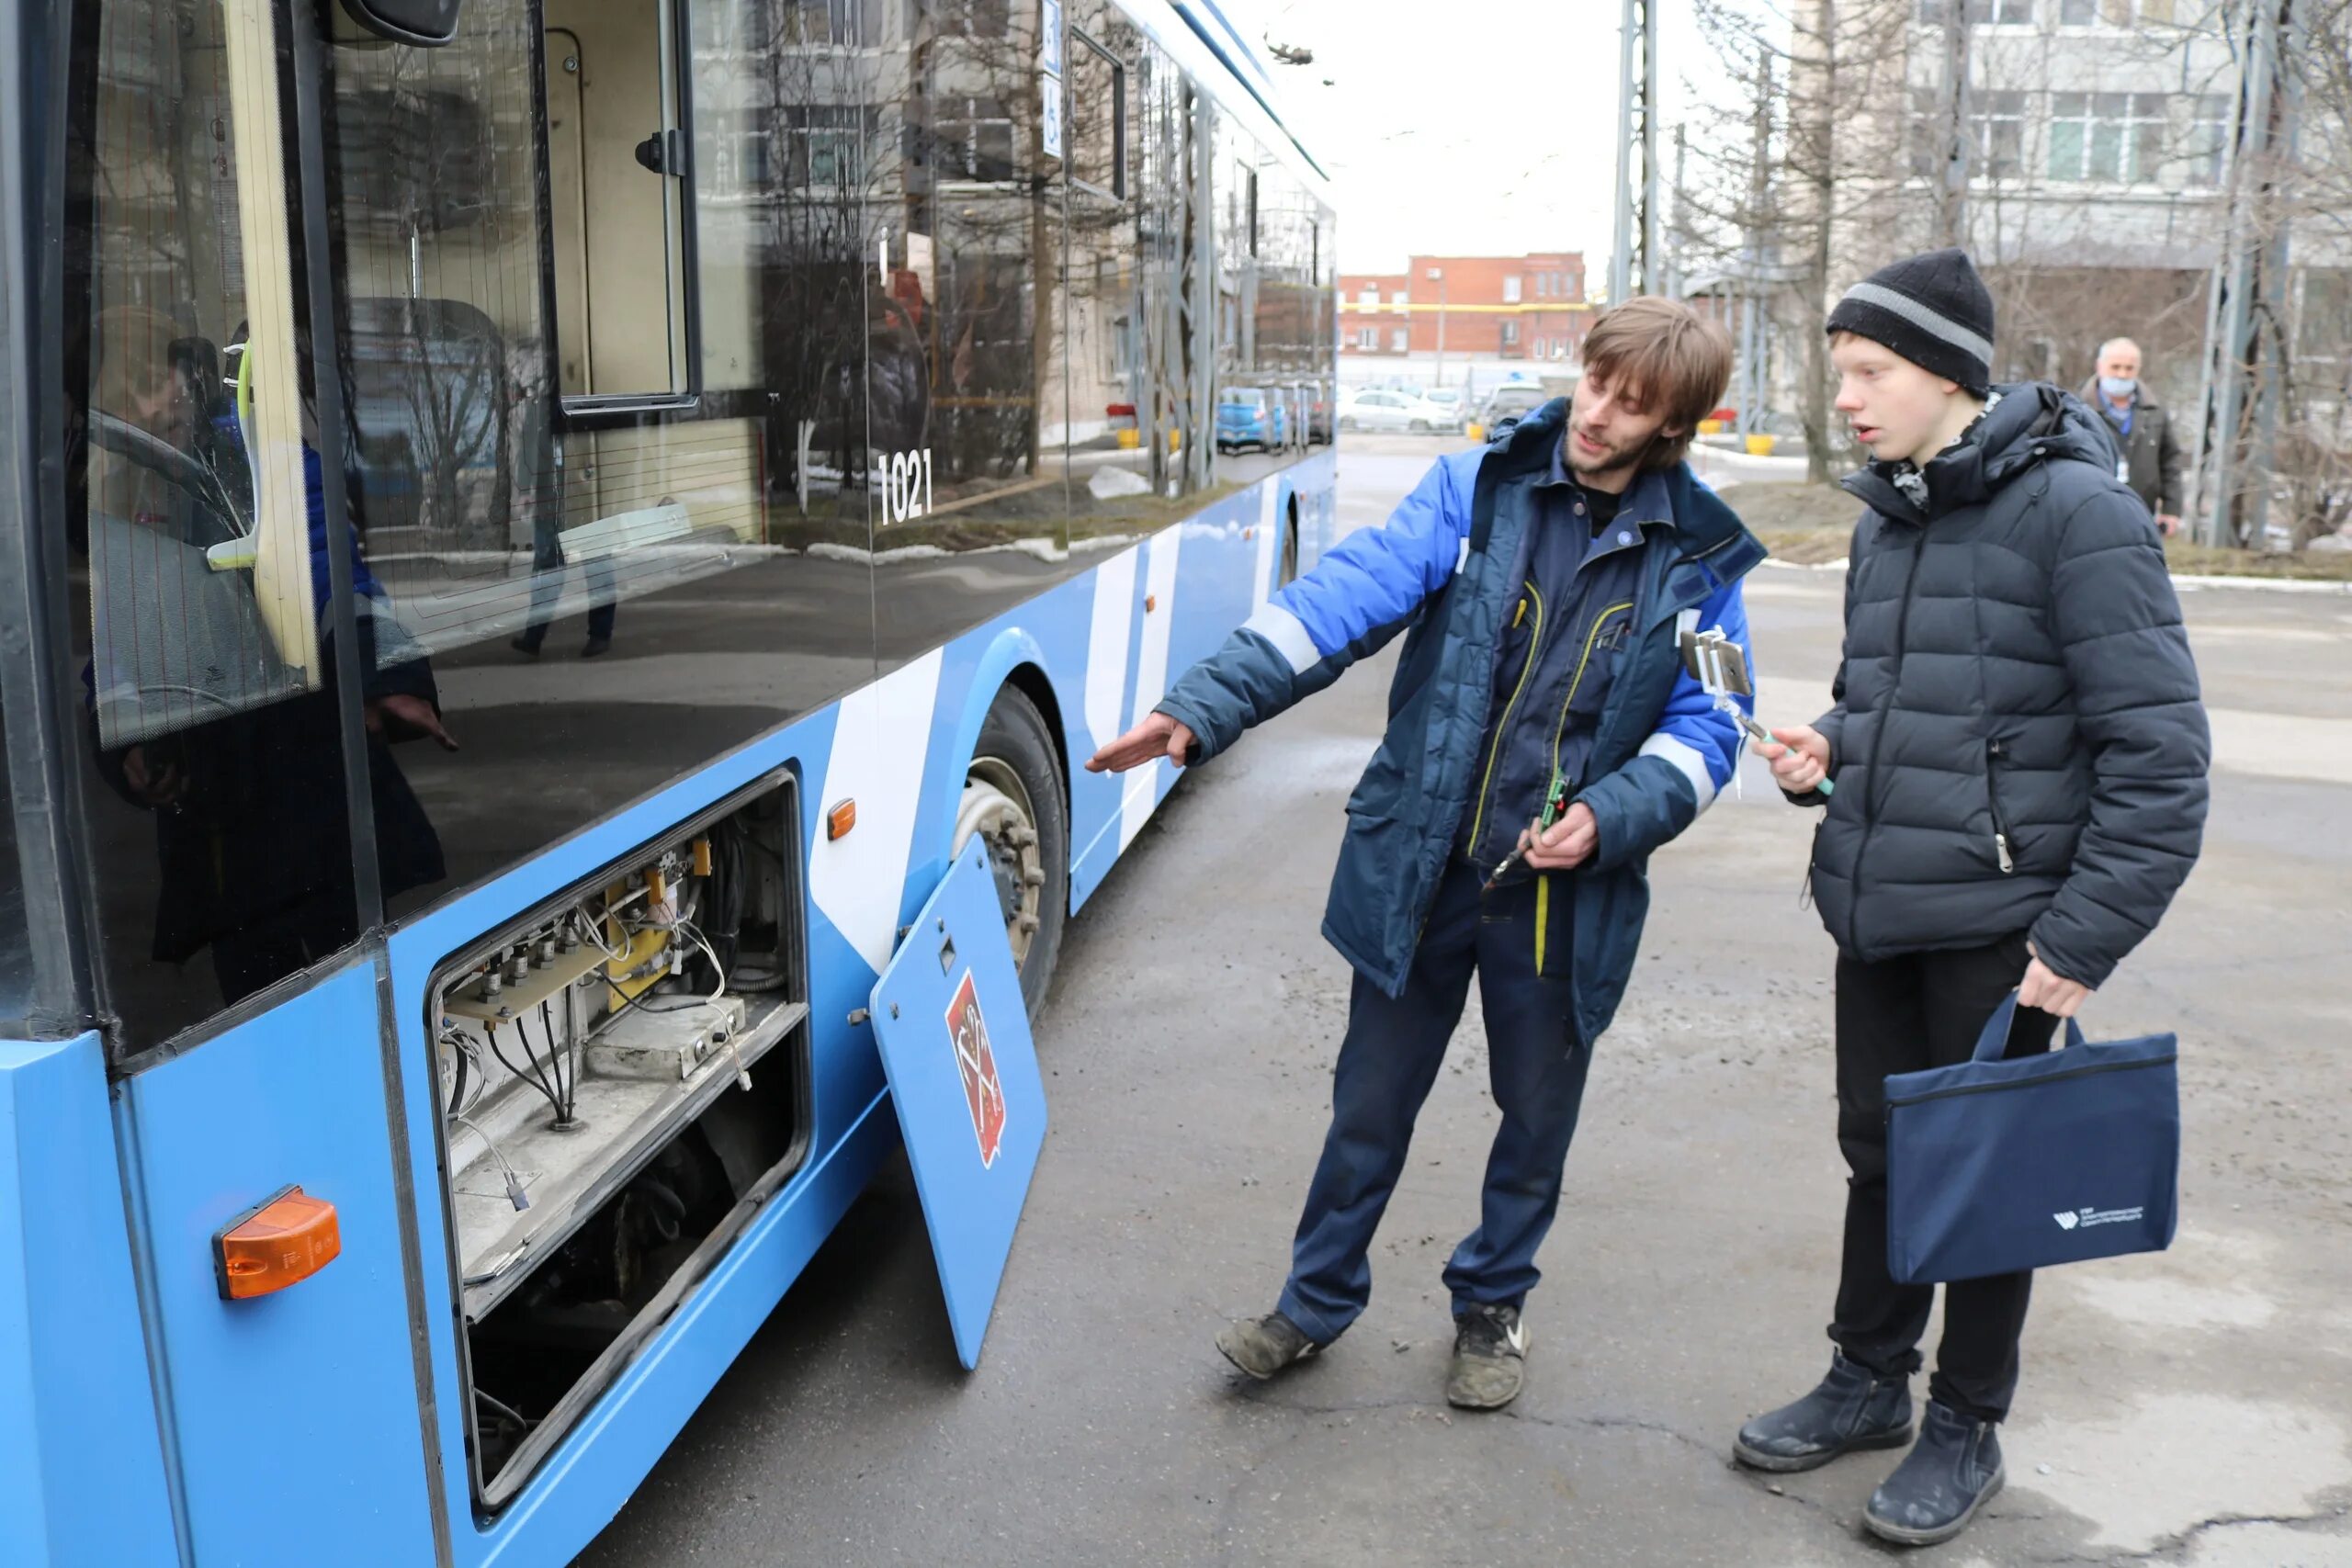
x,y
624,1080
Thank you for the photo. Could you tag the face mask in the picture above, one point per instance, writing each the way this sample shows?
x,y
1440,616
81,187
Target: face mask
x,y
2118,386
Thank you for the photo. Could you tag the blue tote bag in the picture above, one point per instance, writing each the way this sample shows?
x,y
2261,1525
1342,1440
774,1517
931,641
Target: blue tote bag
x,y
1993,1166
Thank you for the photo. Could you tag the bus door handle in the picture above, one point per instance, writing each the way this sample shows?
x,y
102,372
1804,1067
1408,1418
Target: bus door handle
x,y
664,152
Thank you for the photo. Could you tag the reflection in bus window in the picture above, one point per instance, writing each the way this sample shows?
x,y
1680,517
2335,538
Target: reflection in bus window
x,y
612,597
200,548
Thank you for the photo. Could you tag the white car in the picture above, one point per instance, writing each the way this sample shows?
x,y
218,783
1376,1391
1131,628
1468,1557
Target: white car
x,y
1379,409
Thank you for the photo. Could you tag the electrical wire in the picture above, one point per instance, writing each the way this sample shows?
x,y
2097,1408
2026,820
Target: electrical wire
x,y
499,1408
639,1004
719,971
457,1086
514,1193
734,1047
593,928
566,1083
469,1051
533,1078
549,1077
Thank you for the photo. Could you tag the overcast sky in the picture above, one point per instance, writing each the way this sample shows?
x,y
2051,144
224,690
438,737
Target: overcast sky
x,y
1465,126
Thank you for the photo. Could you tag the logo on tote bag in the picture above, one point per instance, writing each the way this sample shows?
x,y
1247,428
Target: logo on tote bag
x,y
2073,1217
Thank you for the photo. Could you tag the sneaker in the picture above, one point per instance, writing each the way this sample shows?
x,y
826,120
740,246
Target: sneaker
x,y
1853,1408
1953,1471
1262,1347
595,646
1489,1359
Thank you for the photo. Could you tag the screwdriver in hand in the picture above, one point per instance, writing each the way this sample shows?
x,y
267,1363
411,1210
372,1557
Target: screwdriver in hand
x,y
1555,806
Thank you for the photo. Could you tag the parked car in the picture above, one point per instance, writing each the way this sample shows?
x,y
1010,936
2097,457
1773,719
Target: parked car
x,y
1447,398
1379,409
1315,412
1506,405
1251,416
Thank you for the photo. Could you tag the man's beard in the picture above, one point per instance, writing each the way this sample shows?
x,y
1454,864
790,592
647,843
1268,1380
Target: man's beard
x,y
1618,461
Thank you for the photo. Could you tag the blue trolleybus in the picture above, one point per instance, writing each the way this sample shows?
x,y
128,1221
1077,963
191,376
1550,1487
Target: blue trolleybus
x,y
532,533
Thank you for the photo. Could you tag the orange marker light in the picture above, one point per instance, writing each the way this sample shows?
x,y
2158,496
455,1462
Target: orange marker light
x,y
278,1243
841,819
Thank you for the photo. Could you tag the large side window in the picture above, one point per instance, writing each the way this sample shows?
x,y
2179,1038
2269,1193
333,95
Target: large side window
x,y
200,556
605,327
1274,398
971,409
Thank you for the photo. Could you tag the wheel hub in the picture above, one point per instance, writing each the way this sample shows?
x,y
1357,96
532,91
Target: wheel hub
x,y
995,806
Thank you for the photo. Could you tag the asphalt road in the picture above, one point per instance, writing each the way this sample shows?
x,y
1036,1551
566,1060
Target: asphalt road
x,y
2193,1407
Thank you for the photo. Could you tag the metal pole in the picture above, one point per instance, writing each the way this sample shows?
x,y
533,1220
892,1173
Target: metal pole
x,y
1440,273
1621,256
2281,134
1751,330
1650,260
1959,133
2230,349
1675,236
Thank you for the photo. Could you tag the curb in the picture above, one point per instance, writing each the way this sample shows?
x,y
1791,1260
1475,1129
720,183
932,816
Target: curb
x,y
2186,583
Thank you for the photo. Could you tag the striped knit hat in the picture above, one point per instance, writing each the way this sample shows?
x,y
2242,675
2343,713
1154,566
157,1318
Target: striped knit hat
x,y
1932,309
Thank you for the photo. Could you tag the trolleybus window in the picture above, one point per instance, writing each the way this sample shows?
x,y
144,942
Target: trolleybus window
x,y
612,595
199,556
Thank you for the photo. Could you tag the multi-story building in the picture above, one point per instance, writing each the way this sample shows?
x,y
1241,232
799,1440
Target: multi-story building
x,y
2095,134
1468,310
1376,313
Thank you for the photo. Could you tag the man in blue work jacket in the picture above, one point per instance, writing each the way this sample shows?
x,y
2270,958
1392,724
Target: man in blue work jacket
x,y
1542,583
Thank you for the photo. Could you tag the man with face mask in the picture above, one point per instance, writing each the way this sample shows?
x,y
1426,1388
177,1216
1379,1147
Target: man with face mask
x,y
2148,456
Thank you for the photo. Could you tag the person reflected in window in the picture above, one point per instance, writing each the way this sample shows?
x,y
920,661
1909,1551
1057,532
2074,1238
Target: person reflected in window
x,y
195,717
537,486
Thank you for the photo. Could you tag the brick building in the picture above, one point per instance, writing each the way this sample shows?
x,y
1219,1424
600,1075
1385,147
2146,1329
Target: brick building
x,y
1527,307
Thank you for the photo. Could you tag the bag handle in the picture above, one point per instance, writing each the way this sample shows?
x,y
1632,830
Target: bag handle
x,y
1994,1044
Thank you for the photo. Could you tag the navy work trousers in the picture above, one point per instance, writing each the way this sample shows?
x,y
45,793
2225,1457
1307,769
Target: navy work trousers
x,y
1389,1059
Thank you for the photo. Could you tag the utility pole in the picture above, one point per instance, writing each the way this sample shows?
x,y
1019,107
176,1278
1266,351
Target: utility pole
x,y
1751,312
1958,132
1438,274
1675,236
1632,260
2239,395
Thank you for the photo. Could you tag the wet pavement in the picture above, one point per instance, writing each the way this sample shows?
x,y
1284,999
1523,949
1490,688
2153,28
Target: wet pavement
x,y
2193,1407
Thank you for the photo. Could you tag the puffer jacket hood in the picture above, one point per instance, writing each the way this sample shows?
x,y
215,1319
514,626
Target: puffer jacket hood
x,y
2018,739
2031,422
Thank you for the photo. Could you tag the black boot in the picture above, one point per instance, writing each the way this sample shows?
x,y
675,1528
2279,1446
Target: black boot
x,y
1853,1408
1933,1494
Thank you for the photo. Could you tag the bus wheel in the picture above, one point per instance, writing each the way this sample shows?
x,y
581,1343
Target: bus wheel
x,y
1012,800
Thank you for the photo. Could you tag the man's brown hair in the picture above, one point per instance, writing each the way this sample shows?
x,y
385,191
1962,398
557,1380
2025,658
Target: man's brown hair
x,y
1669,360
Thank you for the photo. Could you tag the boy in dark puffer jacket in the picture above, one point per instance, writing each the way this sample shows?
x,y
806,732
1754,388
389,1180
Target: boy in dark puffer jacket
x,y
2019,753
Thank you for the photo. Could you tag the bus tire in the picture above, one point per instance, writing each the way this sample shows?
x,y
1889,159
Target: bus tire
x,y
1014,799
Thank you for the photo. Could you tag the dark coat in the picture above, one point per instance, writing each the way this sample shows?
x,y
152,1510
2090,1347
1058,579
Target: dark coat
x,y
2018,740
1446,571
2152,461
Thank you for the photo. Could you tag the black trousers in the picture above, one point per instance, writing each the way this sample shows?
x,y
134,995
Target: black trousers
x,y
1901,1015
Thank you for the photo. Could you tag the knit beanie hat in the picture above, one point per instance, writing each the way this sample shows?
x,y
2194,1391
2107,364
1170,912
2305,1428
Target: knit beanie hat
x,y
1932,309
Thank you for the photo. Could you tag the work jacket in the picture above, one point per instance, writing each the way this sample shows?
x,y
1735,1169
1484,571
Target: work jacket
x,y
1447,570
